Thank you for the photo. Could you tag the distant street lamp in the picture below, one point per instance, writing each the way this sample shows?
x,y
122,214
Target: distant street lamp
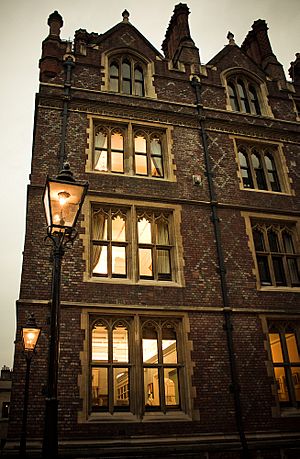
x,y
30,336
63,199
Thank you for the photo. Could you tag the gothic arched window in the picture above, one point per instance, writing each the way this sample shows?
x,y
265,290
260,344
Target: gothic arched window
x,y
259,167
243,95
277,259
285,353
127,76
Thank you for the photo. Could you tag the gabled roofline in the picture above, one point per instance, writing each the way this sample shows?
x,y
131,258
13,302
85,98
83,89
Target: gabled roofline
x,y
117,26
226,50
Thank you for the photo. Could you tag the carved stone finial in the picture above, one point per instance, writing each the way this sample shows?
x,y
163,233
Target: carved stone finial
x,y
125,15
230,38
55,22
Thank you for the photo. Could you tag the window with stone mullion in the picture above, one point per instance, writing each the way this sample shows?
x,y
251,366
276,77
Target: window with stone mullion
x,y
148,155
161,366
284,344
154,247
109,149
258,168
109,242
278,263
126,76
243,95
111,366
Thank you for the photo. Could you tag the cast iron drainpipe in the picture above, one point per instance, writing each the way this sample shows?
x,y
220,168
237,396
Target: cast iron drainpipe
x,y
69,65
235,387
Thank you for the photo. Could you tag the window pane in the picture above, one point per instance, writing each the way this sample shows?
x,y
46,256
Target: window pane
x,y
121,387
278,271
101,140
245,170
261,180
117,141
155,146
296,382
255,108
171,386
233,97
126,70
139,88
150,346
117,162
126,87
272,174
144,231
241,89
276,349
118,256
138,74
101,160
282,389
118,228
140,144
151,387
288,242
242,159
114,70
169,347
162,232
120,344
255,161
273,179
243,98
292,348
114,85
269,163
263,269
141,164
99,388
273,241
156,167
100,254
163,264
145,261
260,176
293,264
247,181
258,240
100,343
99,226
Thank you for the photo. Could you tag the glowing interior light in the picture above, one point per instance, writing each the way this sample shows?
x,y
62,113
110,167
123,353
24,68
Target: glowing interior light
x,y
63,196
30,337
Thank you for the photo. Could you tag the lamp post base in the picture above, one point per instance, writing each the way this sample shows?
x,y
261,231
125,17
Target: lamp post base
x,y
50,443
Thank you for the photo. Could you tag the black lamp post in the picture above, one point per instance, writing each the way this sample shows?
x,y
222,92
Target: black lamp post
x,y
30,336
63,199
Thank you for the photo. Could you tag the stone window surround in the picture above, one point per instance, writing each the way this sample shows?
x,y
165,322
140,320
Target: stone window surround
x,y
262,92
129,126
147,66
175,224
277,409
279,158
188,392
276,219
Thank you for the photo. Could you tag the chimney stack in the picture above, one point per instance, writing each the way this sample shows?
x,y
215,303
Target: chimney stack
x,y
178,44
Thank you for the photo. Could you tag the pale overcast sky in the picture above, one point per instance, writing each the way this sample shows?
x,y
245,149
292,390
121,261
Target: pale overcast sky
x,y
23,26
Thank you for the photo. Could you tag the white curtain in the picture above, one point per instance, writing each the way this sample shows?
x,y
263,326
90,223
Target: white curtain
x,y
98,234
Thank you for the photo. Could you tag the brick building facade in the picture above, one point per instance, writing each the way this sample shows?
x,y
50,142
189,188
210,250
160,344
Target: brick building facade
x,y
179,315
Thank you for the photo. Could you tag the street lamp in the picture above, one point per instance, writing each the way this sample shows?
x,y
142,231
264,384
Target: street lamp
x,y
30,335
63,199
